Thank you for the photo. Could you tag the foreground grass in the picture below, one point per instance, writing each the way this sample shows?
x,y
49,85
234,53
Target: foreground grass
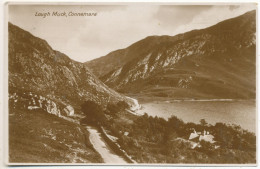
x,y
38,137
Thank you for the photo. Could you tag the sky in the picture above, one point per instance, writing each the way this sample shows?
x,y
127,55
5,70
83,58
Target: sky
x,y
84,38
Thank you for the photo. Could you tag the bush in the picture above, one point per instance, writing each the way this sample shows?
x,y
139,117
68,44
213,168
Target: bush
x,y
122,105
112,109
93,112
207,147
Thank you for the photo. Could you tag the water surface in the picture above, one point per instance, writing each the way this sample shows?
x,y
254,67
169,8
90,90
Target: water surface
x,y
240,112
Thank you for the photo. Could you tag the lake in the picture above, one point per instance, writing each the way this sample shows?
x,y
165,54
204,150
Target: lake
x,y
240,112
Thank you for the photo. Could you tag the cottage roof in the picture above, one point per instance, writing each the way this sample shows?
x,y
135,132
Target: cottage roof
x,y
193,135
208,138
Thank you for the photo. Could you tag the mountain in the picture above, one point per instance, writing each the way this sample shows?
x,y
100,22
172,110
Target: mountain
x,y
35,67
46,89
215,62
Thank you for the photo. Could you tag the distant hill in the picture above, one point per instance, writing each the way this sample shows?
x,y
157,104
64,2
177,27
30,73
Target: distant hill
x,y
215,62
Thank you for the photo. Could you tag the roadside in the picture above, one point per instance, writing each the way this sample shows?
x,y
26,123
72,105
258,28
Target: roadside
x,y
102,148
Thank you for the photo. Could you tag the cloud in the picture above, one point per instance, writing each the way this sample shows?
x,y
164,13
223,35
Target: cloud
x,y
233,7
115,26
112,30
172,16
214,15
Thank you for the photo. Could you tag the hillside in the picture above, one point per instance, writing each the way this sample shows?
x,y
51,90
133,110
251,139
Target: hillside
x,y
35,67
215,62
46,90
38,137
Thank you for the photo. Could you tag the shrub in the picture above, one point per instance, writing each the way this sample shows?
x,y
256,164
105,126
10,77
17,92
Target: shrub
x,y
122,105
93,112
112,109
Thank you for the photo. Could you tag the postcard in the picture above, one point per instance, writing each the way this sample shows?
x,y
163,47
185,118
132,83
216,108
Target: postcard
x,y
131,83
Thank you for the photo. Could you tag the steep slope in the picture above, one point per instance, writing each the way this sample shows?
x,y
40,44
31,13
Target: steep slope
x,y
216,62
120,57
46,89
34,66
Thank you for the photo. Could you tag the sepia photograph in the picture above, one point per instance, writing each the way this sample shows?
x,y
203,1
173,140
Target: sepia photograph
x,y
131,83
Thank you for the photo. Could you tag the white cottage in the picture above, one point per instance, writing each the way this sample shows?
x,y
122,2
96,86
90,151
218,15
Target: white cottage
x,y
198,136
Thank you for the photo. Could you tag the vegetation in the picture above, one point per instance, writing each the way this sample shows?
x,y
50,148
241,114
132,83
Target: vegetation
x,y
156,140
39,137
147,139
203,122
94,113
114,109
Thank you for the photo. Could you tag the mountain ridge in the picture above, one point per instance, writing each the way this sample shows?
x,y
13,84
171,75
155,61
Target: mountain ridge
x,y
212,58
92,63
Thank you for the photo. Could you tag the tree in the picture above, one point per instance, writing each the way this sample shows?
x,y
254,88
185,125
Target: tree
x,y
112,109
122,105
207,147
93,112
176,124
203,122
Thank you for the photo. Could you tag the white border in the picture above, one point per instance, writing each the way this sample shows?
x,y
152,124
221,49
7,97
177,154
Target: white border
x,y
4,80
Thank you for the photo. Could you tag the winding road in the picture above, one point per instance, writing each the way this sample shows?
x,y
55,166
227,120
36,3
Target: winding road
x,y
102,148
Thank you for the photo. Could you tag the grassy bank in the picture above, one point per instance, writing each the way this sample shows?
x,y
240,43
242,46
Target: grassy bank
x,y
38,137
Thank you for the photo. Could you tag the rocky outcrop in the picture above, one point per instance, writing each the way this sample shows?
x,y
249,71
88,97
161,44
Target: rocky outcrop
x,y
32,101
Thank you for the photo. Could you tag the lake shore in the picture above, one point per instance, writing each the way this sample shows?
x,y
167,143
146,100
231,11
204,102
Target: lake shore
x,y
229,111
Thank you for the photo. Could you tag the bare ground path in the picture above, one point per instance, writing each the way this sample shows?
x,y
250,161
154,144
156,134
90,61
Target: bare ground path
x,y
102,148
